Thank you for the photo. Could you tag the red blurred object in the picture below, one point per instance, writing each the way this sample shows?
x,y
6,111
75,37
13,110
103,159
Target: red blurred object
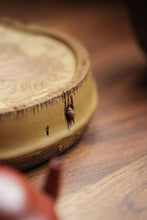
x,y
20,201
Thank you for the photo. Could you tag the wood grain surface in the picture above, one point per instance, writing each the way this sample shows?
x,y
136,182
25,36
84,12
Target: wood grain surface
x,y
105,173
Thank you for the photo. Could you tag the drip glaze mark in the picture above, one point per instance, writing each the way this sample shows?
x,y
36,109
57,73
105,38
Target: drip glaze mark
x,y
18,113
69,110
69,114
47,130
33,109
37,107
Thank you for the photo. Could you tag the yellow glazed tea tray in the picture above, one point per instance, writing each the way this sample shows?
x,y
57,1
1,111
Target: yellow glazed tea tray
x,y
47,93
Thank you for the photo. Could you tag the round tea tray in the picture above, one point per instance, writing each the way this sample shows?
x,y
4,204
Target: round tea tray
x,y
47,93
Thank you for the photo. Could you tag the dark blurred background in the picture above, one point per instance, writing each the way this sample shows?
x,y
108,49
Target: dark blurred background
x,y
90,15
65,15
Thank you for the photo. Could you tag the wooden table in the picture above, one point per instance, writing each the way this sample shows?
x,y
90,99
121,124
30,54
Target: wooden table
x,y
105,174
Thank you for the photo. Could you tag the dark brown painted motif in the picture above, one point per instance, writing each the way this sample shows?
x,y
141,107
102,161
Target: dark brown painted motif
x,y
69,109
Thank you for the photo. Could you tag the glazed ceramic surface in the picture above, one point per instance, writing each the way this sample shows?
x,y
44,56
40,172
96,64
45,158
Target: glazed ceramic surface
x,y
47,93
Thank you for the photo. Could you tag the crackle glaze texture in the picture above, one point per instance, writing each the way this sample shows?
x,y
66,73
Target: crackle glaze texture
x,y
31,66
